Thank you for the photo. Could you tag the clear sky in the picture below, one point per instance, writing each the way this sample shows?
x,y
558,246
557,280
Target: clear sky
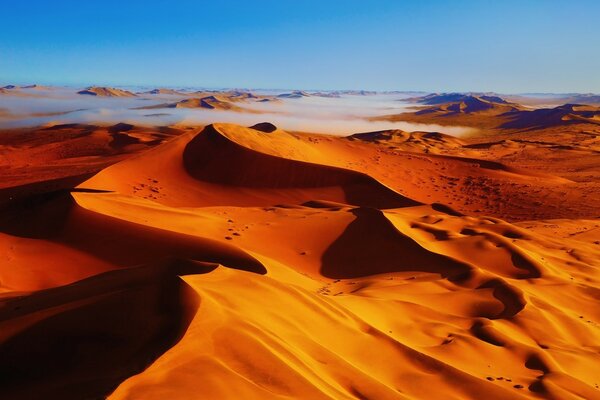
x,y
505,46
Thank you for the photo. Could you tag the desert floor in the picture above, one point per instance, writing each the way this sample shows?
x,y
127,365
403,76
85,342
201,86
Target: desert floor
x,y
232,262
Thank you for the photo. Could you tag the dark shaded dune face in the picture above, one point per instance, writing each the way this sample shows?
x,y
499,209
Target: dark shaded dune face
x,y
332,205
121,140
446,209
494,99
211,157
120,127
548,117
87,128
266,127
11,197
80,341
372,245
536,118
378,136
441,98
471,104
37,216
511,298
58,218
125,243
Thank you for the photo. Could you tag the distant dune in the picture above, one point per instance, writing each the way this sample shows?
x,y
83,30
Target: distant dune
x,y
106,92
490,112
210,102
296,94
16,91
358,92
470,104
270,100
213,102
411,141
584,99
442,98
239,95
548,99
465,110
60,151
35,86
164,91
331,95
547,117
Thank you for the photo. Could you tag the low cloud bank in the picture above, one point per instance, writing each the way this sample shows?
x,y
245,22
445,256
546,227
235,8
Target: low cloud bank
x,y
345,115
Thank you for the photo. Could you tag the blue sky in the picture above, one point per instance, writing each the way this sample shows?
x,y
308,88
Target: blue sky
x,y
504,46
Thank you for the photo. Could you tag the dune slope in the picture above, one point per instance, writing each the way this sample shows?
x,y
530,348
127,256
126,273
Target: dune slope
x,y
254,263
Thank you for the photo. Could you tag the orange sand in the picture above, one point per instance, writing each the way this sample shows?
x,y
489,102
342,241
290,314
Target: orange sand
x,y
254,263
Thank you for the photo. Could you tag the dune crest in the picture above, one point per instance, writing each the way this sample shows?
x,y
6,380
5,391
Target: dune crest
x,y
106,92
251,262
211,102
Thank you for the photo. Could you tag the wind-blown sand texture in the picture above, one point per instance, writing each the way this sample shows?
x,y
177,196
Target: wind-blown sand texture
x,y
225,262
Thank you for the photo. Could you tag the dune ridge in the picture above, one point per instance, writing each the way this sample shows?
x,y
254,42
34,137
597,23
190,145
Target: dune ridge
x,y
493,113
210,102
101,91
235,262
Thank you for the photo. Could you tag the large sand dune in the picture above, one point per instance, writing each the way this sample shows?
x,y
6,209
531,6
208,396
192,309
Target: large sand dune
x,y
101,91
226,262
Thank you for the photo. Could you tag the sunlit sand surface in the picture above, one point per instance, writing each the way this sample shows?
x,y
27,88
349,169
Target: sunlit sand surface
x,y
229,261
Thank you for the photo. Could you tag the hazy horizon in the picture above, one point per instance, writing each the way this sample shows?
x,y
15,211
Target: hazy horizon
x,y
345,115
271,90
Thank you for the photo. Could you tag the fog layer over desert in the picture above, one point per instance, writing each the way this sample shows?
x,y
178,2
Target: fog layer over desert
x,y
316,112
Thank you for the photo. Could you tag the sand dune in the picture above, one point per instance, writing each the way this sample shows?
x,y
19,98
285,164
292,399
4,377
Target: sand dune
x,y
16,91
107,346
224,159
163,91
547,117
35,86
106,92
427,142
482,112
212,102
544,99
296,94
493,113
232,262
443,98
474,105
57,151
247,167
